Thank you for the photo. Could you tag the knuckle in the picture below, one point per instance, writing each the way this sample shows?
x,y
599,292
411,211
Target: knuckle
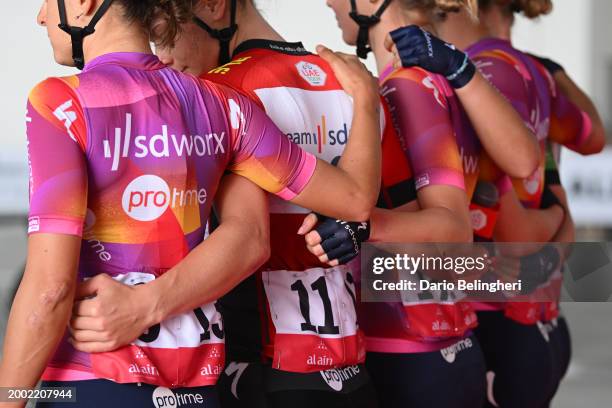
x,y
310,240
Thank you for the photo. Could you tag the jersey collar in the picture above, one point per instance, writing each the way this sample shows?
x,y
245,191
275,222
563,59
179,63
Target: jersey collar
x,y
137,60
486,43
289,48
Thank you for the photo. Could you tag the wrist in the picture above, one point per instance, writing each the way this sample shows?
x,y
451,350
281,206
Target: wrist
x,y
367,100
151,296
374,232
463,74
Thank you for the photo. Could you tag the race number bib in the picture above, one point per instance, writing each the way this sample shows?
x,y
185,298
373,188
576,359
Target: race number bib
x,y
186,350
528,311
315,320
431,312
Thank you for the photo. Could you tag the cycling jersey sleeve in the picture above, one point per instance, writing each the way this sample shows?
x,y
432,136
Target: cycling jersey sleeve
x,y
506,77
56,136
261,152
569,126
420,115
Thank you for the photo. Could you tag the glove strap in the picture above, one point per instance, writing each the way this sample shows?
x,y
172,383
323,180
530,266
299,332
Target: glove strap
x,y
463,75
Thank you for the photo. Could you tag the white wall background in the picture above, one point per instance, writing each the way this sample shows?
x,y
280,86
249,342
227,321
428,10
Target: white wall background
x,y
577,34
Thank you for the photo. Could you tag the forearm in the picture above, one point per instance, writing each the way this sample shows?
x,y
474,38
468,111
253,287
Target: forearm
x,y
528,225
41,310
228,256
428,225
350,190
506,138
597,138
37,322
567,231
361,159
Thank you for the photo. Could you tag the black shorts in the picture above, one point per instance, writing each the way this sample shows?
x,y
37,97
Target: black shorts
x,y
452,377
242,386
520,361
253,385
561,347
105,394
348,387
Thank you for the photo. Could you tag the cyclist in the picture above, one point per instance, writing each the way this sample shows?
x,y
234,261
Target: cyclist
x,y
506,340
422,102
125,159
499,18
303,96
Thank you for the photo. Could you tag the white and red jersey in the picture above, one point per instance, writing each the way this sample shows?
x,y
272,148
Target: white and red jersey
x,y
308,314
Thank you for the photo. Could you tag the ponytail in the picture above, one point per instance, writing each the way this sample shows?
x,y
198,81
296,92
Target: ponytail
x,y
532,8
529,8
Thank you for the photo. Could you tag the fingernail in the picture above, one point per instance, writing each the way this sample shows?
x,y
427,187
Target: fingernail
x,y
301,230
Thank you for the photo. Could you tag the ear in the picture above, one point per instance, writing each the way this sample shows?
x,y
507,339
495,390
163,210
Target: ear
x,y
217,10
81,11
87,7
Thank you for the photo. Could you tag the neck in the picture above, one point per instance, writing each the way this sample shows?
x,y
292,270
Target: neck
x,y
394,17
503,30
462,30
115,35
256,28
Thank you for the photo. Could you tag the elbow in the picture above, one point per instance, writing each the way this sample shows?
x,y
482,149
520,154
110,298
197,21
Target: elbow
x,y
56,296
525,164
596,142
524,170
260,247
361,212
56,292
359,207
263,253
463,233
456,229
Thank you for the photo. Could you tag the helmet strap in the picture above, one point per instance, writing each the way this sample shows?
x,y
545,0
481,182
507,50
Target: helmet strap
x,y
224,35
365,23
78,34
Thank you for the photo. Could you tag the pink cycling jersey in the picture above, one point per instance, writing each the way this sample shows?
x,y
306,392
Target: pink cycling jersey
x,y
549,114
534,94
128,155
442,150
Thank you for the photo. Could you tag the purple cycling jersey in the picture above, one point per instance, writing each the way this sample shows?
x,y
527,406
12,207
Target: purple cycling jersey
x,y
128,155
534,94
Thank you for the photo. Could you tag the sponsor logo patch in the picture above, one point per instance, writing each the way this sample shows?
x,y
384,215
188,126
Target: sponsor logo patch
x,y
312,73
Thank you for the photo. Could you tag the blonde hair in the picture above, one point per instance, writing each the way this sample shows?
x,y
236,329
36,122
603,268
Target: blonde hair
x,y
442,6
453,6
